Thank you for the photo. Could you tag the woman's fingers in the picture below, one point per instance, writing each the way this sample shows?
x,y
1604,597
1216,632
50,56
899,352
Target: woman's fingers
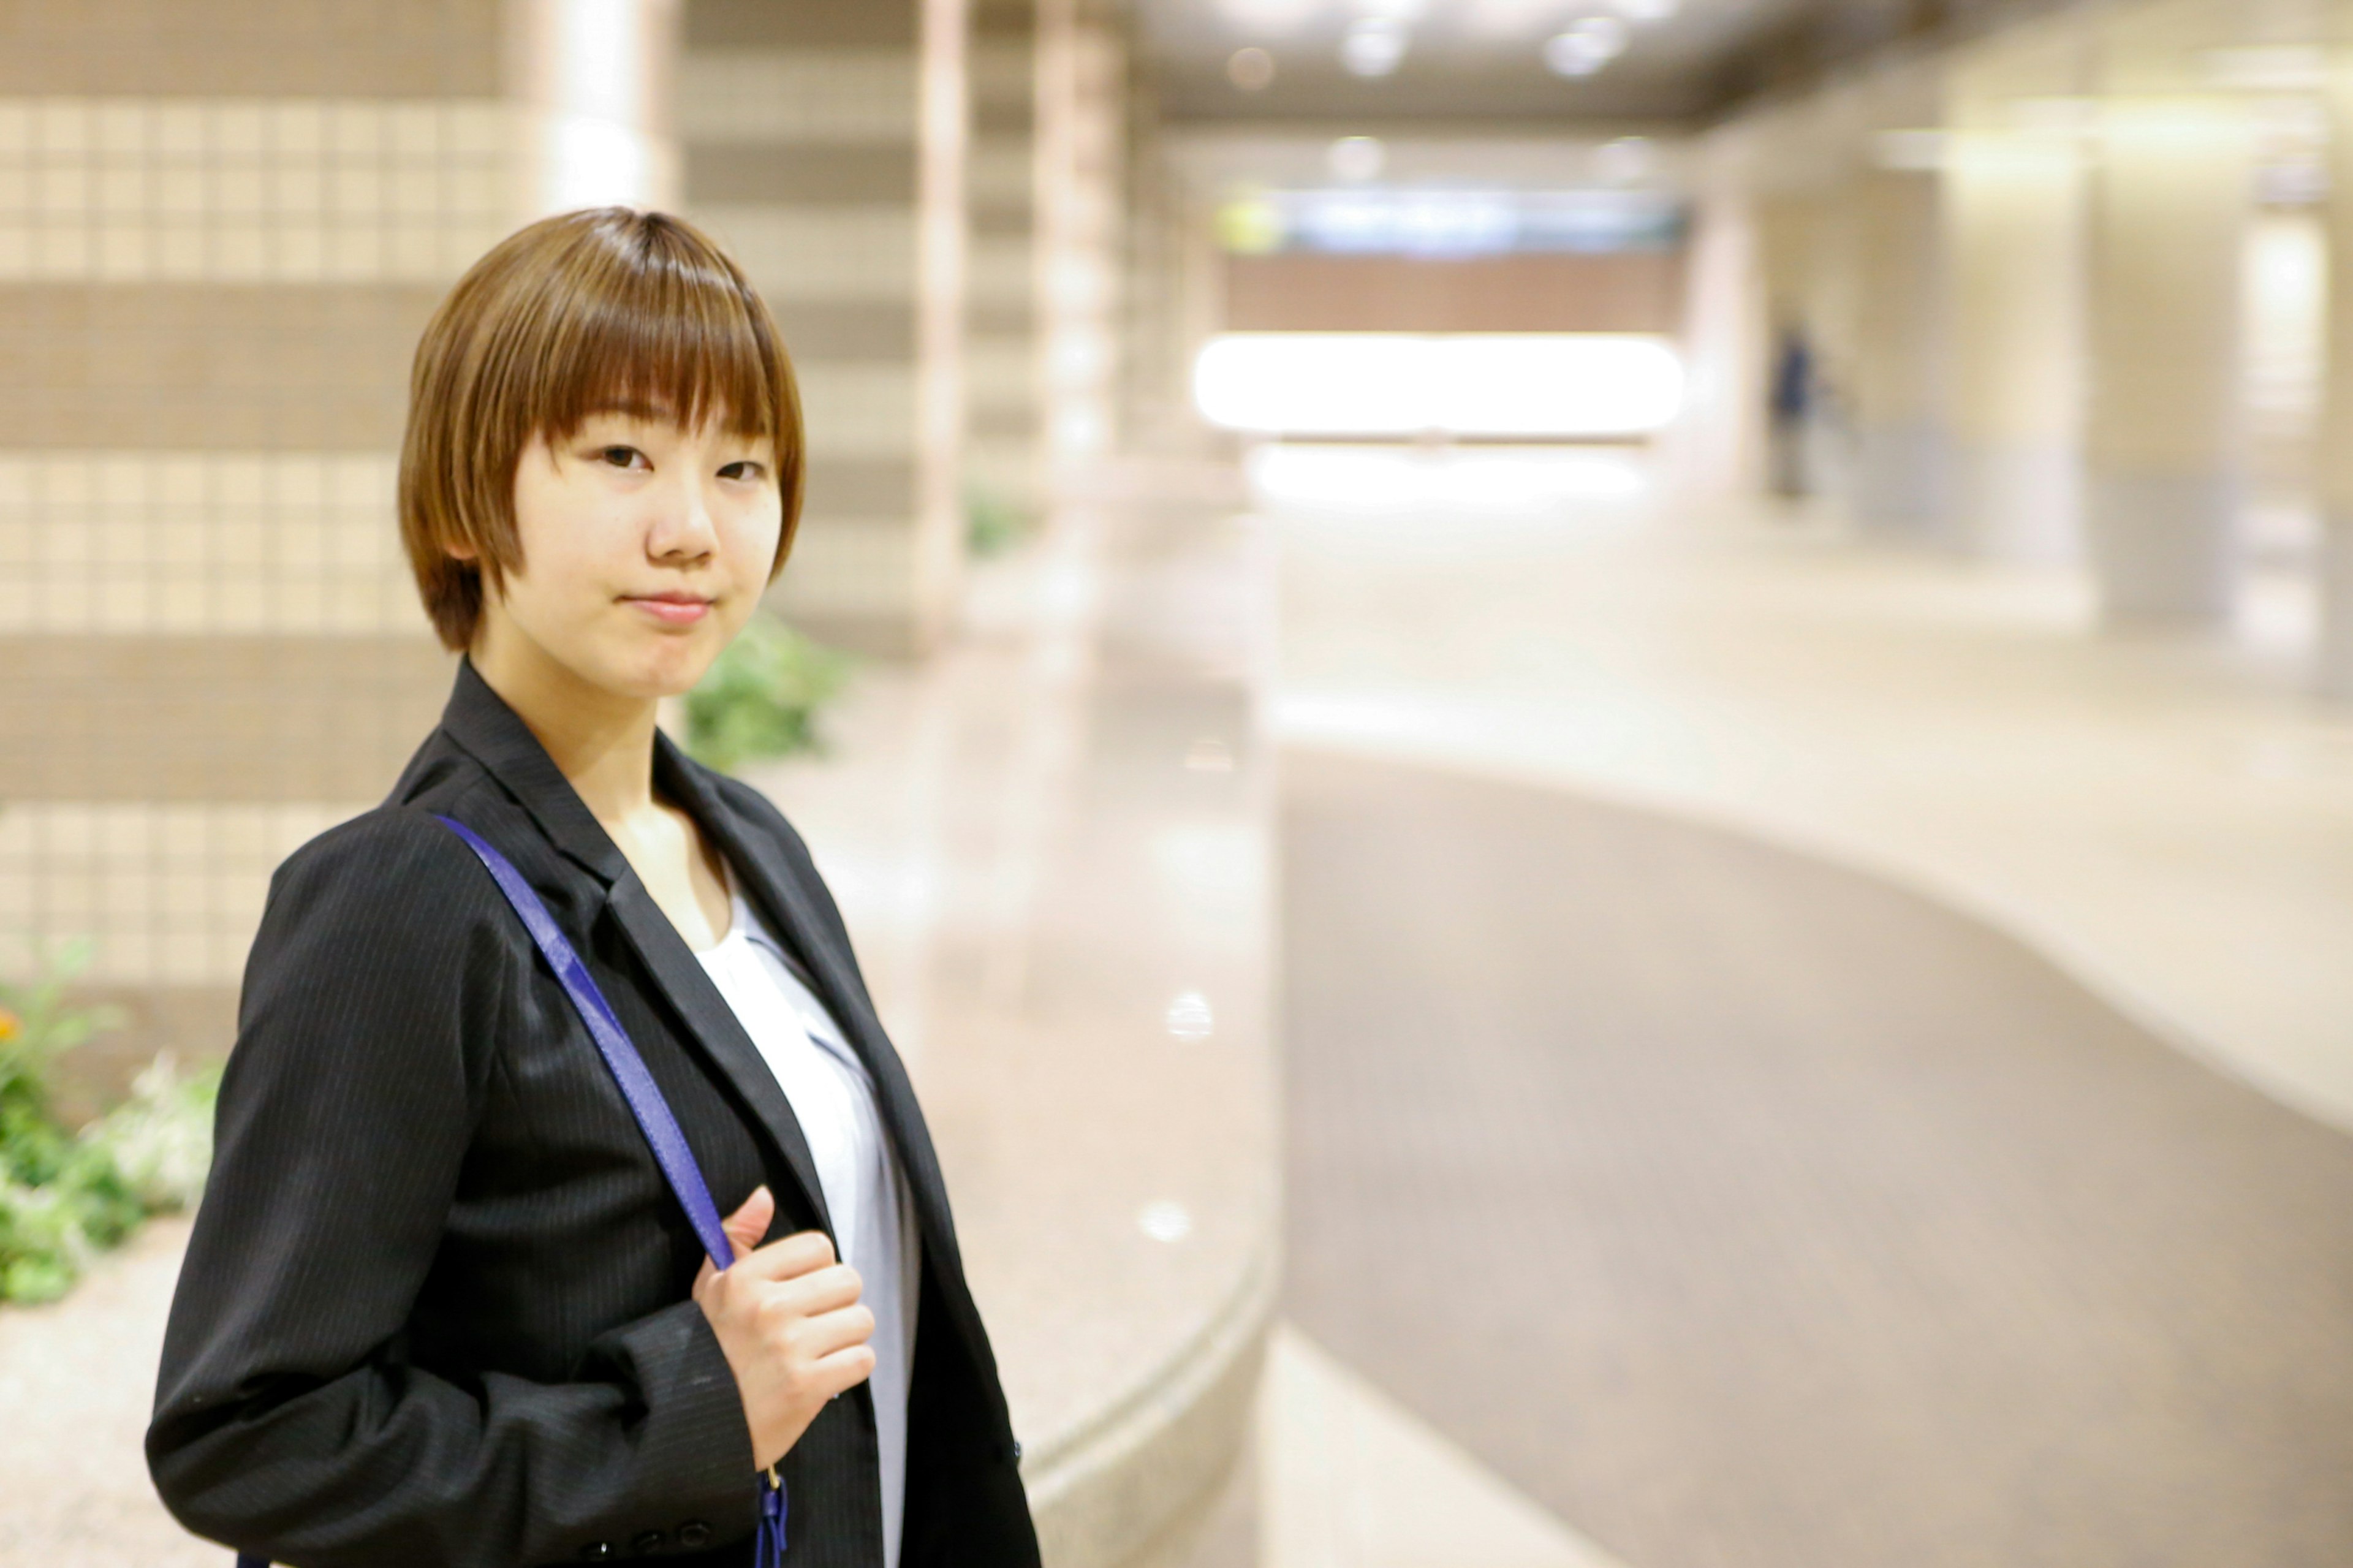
x,y
824,1333
844,1369
788,1257
748,1225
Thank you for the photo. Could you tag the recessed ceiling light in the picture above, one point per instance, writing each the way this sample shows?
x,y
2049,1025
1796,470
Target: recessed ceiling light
x,y
1374,47
1252,68
1279,15
1585,46
1645,10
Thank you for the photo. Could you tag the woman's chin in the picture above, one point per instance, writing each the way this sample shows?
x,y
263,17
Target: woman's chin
x,y
650,674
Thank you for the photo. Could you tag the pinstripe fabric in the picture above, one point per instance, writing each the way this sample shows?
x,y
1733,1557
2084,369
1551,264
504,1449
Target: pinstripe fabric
x,y
435,1308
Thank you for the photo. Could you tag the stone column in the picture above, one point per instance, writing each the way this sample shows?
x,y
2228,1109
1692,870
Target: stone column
x,y
1082,80
2333,439
222,226
1899,351
1715,447
1003,416
825,145
2012,219
2171,199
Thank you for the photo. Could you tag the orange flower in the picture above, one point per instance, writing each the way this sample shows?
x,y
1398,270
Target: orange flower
x,y
9,1025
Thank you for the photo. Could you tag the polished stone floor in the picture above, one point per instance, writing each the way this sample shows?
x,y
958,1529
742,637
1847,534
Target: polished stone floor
x,y
2171,816
1747,1212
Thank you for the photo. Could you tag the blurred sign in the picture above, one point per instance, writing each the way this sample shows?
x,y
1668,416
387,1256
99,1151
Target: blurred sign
x,y
1451,223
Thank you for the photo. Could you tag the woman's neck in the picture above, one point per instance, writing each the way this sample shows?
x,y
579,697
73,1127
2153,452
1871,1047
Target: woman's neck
x,y
601,741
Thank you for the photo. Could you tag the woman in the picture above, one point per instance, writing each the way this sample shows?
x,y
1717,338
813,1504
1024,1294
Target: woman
x,y
439,1307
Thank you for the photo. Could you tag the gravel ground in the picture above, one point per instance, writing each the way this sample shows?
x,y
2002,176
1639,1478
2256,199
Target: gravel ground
x,y
76,1380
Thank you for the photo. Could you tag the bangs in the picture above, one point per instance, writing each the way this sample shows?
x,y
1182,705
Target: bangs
x,y
654,328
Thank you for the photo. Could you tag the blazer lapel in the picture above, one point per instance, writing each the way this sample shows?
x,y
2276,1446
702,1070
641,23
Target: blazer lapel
x,y
480,721
772,886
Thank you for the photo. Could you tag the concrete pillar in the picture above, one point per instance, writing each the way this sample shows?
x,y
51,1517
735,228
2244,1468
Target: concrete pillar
x,y
1897,379
2170,203
2010,215
1081,96
1003,417
1715,447
2333,443
825,145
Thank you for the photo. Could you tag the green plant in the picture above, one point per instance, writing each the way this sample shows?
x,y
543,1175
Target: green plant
x,y
992,523
761,696
64,1196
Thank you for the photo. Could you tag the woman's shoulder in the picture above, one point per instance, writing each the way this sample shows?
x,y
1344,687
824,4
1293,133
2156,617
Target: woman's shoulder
x,y
387,866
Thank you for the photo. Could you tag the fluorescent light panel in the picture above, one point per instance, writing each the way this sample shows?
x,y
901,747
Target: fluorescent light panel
x,y
1572,385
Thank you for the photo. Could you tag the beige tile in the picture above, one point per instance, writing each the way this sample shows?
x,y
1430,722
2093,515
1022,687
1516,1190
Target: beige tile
x,y
129,717
1350,1478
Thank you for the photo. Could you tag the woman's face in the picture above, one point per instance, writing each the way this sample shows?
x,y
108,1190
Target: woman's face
x,y
645,548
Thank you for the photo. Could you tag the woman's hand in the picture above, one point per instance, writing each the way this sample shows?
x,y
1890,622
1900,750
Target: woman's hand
x,y
787,1317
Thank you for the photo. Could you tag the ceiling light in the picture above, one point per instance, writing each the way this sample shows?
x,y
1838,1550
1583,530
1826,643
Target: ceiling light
x,y
1645,10
1513,18
1356,158
1373,48
1390,10
1586,45
1276,14
1251,69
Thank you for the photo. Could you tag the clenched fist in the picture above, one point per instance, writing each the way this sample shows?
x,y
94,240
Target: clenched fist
x,y
789,1319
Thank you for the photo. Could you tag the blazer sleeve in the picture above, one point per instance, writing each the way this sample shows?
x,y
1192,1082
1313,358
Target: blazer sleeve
x,y
287,1421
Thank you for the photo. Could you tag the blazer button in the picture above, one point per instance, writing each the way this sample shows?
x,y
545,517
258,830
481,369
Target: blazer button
x,y
645,1545
596,1551
693,1534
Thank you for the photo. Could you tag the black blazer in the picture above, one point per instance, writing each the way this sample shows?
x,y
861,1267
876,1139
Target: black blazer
x,y
436,1309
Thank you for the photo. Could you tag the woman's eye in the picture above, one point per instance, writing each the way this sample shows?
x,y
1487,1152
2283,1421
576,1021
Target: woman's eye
x,y
621,457
746,470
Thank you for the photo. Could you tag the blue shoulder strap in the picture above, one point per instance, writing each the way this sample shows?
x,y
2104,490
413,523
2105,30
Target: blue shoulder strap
x,y
646,1103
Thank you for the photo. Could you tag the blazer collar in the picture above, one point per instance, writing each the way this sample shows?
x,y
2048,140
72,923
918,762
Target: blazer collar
x,y
480,720
773,887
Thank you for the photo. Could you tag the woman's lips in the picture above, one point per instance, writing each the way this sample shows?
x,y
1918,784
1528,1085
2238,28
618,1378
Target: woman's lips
x,y
673,612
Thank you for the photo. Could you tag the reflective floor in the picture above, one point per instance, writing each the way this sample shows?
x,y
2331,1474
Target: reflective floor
x,y
2165,816
1770,1021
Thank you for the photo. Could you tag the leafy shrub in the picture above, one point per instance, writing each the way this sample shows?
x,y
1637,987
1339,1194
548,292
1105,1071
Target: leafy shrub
x,y
992,523
761,696
65,1196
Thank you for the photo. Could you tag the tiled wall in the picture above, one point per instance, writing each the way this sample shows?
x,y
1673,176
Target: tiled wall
x,y
1001,277
222,225
1082,132
807,128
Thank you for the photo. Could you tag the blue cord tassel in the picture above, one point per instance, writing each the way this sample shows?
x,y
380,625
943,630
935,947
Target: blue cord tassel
x,y
769,1551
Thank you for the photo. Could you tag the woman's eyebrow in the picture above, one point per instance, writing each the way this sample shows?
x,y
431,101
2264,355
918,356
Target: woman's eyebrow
x,y
651,412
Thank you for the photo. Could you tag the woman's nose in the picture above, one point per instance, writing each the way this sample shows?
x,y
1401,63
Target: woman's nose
x,y
682,524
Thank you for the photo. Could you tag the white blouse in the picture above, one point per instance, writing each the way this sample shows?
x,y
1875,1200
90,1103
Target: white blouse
x,y
865,1192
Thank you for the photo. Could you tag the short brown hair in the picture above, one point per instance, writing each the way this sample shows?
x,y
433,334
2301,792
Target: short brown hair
x,y
575,314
